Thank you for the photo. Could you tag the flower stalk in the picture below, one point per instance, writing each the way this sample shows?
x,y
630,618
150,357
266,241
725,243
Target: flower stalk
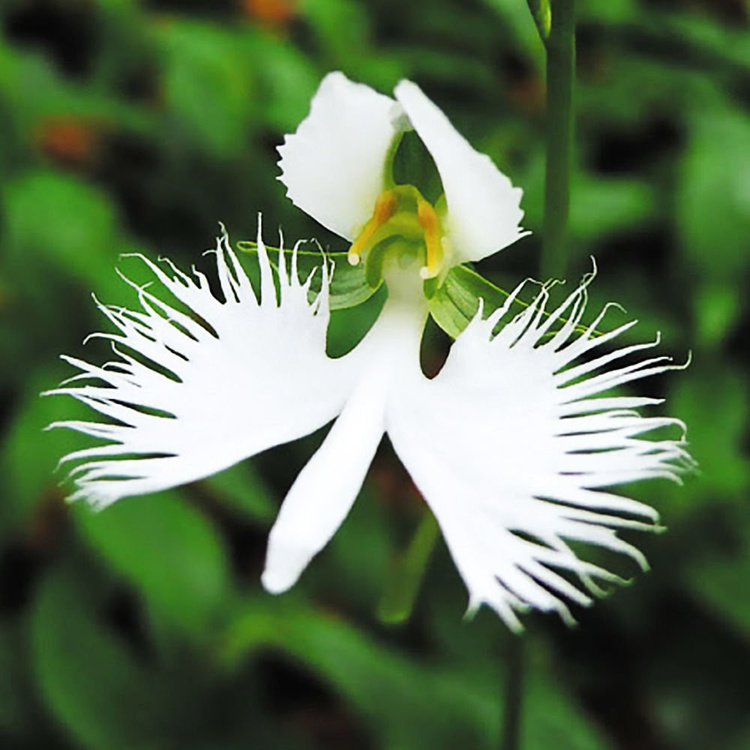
x,y
557,30
560,77
511,739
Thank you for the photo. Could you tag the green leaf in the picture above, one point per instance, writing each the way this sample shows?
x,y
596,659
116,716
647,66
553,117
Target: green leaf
x,y
718,306
348,287
167,550
605,206
713,190
407,704
57,224
715,405
551,717
287,78
89,681
721,581
241,487
19,712
516,27
326,19
29,455
208,84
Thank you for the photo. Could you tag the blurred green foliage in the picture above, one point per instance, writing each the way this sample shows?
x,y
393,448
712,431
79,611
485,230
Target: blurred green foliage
x,y
137,126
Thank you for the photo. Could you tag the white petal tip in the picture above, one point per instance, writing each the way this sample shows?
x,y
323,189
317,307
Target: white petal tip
x,y
353,259
284,565
274,584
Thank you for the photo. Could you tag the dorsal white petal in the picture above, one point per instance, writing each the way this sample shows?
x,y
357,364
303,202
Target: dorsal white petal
x,y
191,394
517,459
333,166
484,210
325,490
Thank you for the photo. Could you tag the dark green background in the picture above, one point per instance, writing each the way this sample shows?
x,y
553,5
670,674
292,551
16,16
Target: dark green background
x,y
137,126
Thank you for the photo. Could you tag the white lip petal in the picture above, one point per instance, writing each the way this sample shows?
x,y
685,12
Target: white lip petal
x,y
333,166
483,206
190,398
513,457
324,491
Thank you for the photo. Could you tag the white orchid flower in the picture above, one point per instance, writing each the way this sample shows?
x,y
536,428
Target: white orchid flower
x,y
516,445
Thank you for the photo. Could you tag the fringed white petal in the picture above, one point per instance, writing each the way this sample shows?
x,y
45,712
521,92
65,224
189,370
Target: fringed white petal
x,y
512,449
191,394
484,210
333,166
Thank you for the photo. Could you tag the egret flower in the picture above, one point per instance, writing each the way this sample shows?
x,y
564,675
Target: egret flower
x,y
517,445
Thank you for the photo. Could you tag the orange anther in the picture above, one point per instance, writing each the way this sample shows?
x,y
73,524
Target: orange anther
x,y
429,221
385,207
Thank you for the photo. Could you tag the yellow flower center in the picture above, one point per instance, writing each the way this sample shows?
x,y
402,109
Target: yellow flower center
x,y
402,213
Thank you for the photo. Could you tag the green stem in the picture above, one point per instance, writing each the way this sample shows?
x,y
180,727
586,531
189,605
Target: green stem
x,y
402,587
558,32
513,695
560,78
